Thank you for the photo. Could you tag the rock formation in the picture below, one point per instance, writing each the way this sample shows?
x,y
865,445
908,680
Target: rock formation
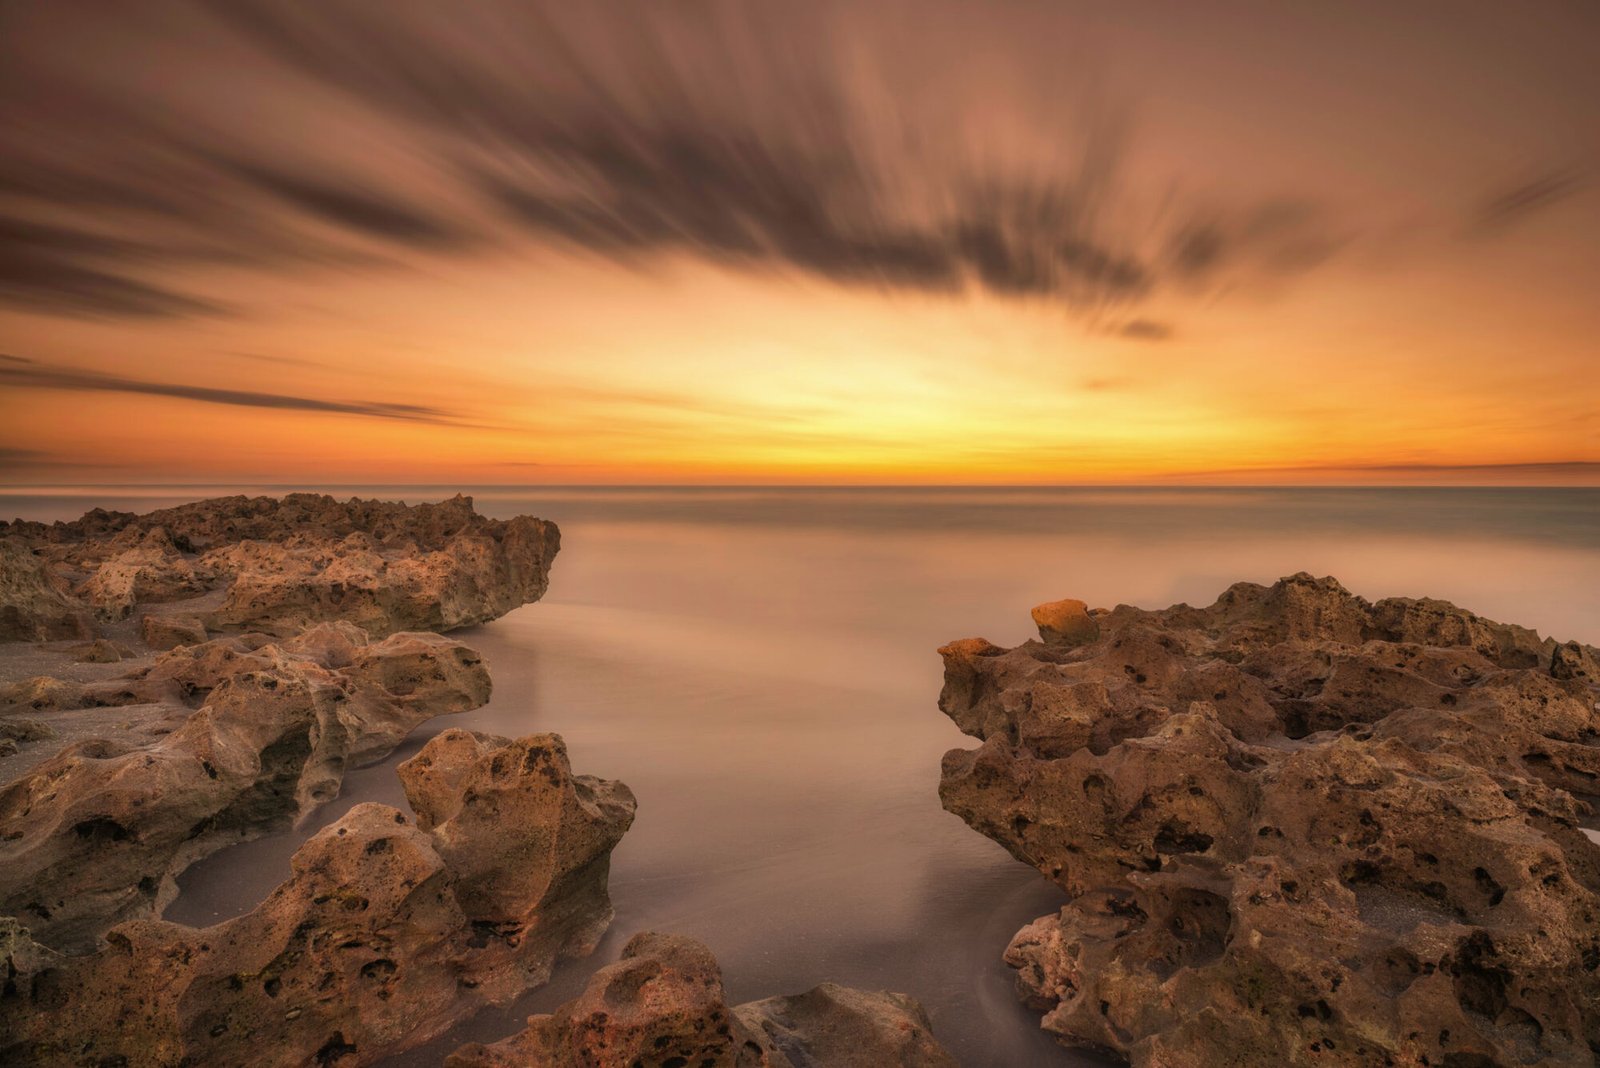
x,y
209,744
1297,828
386,934
34,605
274,565
662,1006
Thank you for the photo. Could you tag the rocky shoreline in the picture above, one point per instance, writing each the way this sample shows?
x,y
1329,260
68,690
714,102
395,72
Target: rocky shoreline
x,y
1297,828
176,682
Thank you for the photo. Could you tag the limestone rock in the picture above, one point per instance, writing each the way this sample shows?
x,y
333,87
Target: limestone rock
x,y
151,573
841,1027
662,1006
374,944
1298,829
169,632
1573,661
1065,622
99,651
491,804
250,738
275,565
33,606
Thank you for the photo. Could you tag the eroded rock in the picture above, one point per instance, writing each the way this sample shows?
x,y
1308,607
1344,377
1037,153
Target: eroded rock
x,y
385,935
275,565
662,1006
34,605
240,738
169,632
1298,829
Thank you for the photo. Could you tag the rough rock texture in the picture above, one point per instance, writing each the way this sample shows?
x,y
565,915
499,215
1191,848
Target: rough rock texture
x,y
662,1006
1298,828
227,739
386,933
169,632
34,605
274,565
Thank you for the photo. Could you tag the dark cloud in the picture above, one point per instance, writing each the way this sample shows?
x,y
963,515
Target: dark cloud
x,y
31,374
1510,205
345,203
262,357
74,272
795,137
1145,330
626,144
35,459
1276,238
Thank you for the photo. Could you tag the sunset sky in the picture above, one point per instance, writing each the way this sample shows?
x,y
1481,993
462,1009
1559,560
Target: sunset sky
x,y
876,242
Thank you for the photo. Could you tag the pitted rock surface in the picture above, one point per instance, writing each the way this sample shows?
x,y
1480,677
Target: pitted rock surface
x,y
222,741
1297,828
275,565
388,931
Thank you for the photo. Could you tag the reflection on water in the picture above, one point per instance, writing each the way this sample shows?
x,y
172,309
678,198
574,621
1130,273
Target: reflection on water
x,y
758,665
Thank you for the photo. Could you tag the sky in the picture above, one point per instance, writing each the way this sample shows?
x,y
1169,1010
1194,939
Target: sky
x,y
1155,241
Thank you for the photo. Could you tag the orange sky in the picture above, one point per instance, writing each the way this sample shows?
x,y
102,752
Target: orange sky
x,y
1017,244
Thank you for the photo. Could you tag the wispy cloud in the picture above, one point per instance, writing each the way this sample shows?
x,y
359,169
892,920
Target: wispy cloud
x,y
1575,472
1511,204
19,373
36,459
1145,330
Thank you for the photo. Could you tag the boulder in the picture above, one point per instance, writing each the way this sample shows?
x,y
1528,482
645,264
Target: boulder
x,y
1297,829
151,573
1065,622
169,632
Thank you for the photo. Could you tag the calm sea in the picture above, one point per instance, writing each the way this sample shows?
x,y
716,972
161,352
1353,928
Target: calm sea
x,y
758,665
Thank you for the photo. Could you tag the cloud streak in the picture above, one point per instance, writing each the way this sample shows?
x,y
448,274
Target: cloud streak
x,y
19,373
762,137
807,139
1511,204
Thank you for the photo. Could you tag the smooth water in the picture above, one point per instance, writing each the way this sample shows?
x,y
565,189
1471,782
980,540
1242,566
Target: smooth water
x,y
758,665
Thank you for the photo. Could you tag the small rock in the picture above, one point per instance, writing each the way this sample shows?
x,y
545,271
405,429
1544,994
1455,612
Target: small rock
x,y
1065,622
169,632
663,1004
99,651
1573,661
